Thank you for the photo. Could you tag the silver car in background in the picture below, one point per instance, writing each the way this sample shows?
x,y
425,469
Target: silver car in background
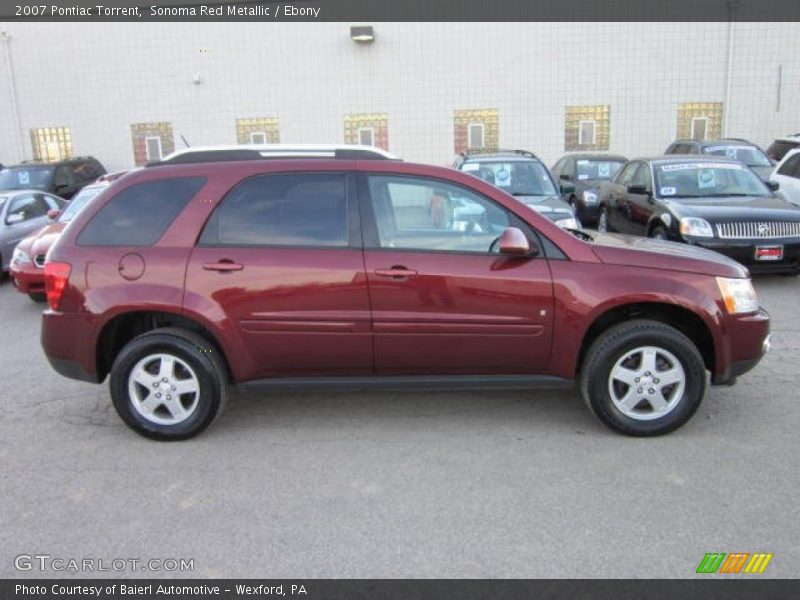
x,y
21,213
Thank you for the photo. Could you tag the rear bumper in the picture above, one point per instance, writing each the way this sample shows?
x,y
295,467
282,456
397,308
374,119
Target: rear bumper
x,y
67,346
71,369
27,280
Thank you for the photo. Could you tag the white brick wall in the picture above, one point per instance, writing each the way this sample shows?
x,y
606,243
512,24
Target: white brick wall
x,y
99,78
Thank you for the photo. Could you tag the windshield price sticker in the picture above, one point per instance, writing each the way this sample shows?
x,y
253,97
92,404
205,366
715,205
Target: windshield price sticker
x,y
603,169
691,167
471,167
732,149
706,178
582,176
668,191
24,177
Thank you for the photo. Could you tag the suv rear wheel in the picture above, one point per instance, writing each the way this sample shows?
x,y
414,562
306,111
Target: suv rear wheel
x,y
168,384
643,378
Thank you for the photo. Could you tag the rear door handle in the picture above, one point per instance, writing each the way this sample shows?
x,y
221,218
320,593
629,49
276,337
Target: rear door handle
x,y
396,272
223,265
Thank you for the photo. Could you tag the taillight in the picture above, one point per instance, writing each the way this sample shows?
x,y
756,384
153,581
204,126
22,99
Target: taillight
x,y
56,276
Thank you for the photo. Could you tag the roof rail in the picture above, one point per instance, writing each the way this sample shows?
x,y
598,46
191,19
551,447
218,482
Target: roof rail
x,y
203,154
472,151
735,139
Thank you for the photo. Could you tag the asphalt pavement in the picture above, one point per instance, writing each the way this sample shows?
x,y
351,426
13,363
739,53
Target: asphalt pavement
x,y
393,485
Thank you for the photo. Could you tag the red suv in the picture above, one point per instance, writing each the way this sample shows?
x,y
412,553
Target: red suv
x,y
296,268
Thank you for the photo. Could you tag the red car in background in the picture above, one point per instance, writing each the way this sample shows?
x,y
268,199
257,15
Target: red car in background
x,y
27,263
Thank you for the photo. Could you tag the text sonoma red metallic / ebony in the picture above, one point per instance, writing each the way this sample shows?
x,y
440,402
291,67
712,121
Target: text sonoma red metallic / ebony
x,y
295,268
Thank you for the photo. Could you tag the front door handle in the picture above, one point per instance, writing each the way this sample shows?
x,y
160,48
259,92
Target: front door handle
x,y
396,272
223,265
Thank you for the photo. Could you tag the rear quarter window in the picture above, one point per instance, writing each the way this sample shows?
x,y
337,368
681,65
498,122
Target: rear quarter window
x,y
140,214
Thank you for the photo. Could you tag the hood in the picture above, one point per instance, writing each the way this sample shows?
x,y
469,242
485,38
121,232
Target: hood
x,y
40,242
645,252
552,207
735,208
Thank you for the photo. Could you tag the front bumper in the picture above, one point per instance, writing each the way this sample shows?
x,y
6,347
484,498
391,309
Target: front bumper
x,y
748,342
588,213
744,252
28,279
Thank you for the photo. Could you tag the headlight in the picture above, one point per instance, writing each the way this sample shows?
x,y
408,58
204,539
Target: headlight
x,y
696,227
589,198
570,223
738,294
20,257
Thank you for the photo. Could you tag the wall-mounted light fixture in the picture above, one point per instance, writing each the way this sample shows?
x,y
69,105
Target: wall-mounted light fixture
x,y
362,34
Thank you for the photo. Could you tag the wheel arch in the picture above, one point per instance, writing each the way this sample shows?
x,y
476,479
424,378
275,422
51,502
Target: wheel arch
x,y
123,327
681,318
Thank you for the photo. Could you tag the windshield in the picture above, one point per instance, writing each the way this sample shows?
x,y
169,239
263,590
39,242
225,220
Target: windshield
x,y
596,169
749,155
78,202
707,180
520,177
26,178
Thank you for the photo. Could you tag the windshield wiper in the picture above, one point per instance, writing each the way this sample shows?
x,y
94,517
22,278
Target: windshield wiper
x,y
530,194
737,195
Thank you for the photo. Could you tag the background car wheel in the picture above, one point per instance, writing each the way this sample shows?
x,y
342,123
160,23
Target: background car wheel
x,y
643,378
38,296
168,384
602,221
659,233
573,204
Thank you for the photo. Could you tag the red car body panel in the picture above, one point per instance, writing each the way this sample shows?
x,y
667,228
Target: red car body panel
x,y
306,312
29,278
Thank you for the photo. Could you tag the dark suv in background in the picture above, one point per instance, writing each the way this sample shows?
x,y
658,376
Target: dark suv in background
x,y
294,268
731,148
579,175
778,149
521,174
64,178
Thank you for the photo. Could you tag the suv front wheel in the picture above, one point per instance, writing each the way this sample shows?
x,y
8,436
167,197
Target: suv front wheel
x,y
643,378
168,384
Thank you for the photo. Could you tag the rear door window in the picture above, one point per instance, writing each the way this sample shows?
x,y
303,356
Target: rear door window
x,y
140,214
303,209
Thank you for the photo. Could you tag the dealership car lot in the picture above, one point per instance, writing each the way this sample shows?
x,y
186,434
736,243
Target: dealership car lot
x,y
417,484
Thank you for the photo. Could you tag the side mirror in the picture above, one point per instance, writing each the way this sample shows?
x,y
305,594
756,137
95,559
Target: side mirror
x,y
15,218
566,177
567,188
639,190
514,243
773,185
53,214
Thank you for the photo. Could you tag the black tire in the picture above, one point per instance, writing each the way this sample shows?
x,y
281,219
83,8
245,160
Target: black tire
x,y
622,339
195,352
659,233
603,226
38,297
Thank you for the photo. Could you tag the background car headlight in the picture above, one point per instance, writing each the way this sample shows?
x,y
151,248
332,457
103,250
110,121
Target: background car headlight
x,y
570,223
589,198
20,257
696,227
738,294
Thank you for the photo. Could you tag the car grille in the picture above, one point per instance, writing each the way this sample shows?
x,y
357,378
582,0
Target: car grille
x,y
758,229
38,260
